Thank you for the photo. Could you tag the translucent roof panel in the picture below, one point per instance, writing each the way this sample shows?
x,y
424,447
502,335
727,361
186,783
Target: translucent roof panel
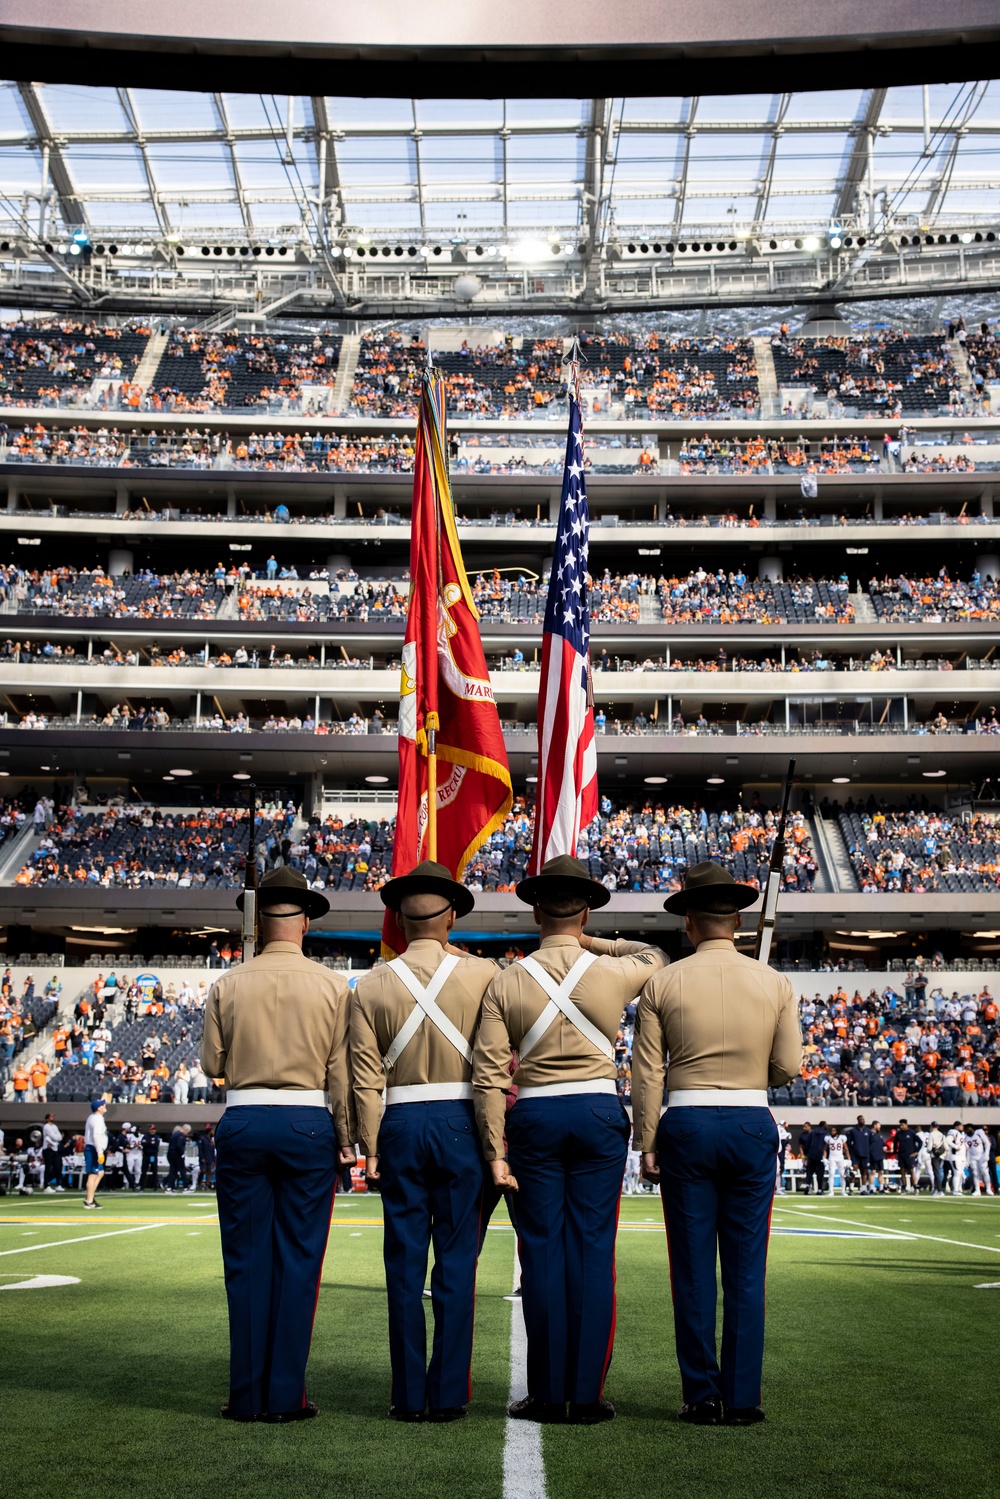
x,y
106,168
460,114
371,164
162,109
452,159
197,165
74,108
405,167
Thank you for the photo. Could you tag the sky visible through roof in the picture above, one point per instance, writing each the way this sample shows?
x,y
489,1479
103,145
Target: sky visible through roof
x,y
158,162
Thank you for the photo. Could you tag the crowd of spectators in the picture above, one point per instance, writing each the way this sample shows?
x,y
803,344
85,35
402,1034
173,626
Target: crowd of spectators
x,y
201,371
137,848
908,1044
730,455
935,600
147,594
58,360
921,850
733,598
889,373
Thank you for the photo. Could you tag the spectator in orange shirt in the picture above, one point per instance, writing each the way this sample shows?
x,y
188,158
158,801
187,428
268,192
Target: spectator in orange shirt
x,y
22,1082
39,1074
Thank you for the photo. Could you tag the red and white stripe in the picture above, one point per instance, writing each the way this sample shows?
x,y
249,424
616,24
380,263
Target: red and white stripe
x,y
566,797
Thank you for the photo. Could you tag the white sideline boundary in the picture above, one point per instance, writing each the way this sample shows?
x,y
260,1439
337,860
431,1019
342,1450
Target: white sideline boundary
x,y
86,1238
523,1464
902,1233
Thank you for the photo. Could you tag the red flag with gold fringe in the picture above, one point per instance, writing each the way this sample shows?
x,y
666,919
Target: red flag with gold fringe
x,y
454,780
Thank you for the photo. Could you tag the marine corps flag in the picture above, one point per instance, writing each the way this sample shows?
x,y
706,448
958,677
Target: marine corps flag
x,y
454,781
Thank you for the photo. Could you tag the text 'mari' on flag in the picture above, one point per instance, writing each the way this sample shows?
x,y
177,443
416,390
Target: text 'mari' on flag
x,y
445,683
566,799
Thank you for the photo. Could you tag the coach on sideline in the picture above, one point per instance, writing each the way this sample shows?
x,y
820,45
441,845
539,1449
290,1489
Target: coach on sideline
x,y
276,1028
730,1028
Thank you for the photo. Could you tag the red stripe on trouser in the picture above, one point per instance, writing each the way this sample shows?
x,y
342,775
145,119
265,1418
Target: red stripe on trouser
x,y
767,1245
614,1301
479,1230
319,1274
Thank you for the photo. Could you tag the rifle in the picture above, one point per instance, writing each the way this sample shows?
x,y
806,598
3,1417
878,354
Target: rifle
x,y
250,937
765,926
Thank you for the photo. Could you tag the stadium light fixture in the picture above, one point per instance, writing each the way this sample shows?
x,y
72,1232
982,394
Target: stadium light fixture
x,y
715,781
655,780
182,772
531,249
811,242
841,780
241,775
531,779
377,780
933,775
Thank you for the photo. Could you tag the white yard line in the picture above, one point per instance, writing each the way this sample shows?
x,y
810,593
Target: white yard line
x,y
86,1239
523,1464
902,1233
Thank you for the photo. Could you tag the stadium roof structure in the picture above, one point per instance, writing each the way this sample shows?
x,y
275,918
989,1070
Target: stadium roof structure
x,y
114,197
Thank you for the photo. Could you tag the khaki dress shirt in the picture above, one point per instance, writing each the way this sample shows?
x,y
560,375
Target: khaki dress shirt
x,y
514,1002
381,1006
723,1020
281,1021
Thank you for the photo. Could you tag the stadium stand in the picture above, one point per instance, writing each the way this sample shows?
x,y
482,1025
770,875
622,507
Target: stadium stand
x,y
204,372
44,362
892,373
913,850
935,600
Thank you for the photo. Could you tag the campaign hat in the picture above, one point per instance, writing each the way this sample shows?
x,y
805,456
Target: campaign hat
x,y
428,878
562,878
285,886
708,887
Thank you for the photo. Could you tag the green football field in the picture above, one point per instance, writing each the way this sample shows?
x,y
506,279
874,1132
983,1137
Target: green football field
x,y
880,1377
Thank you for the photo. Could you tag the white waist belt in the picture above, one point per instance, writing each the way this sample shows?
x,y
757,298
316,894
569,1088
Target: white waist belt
x,y
568,1090
717,1098
303,1098
427,1092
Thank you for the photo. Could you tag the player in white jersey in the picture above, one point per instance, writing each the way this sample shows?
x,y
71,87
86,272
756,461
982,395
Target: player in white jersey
x,y
980,1148
633,1168
925,1161
133,1157
784,1140
838,1160
959,1156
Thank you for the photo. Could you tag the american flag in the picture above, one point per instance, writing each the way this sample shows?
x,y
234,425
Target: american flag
x,y
567,757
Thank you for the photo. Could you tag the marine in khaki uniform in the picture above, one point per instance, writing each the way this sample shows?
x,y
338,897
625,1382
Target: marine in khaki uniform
x,y
277,1029
412,1026
729,1028
567,1134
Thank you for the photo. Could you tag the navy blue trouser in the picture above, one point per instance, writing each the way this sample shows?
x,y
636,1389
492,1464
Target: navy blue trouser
x,y
717,1185
432,1170
275,1178
568,1155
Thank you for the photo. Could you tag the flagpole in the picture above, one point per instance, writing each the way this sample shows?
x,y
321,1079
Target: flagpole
x,y
432,723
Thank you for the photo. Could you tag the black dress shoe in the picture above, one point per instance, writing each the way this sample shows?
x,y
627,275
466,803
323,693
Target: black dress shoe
x,y
447,1413
228,1414
704,1413
592,1413
307,1412
744,1415
530,1409
395,1414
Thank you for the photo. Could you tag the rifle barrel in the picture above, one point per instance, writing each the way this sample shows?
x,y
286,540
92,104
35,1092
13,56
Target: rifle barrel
x,y
765,926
